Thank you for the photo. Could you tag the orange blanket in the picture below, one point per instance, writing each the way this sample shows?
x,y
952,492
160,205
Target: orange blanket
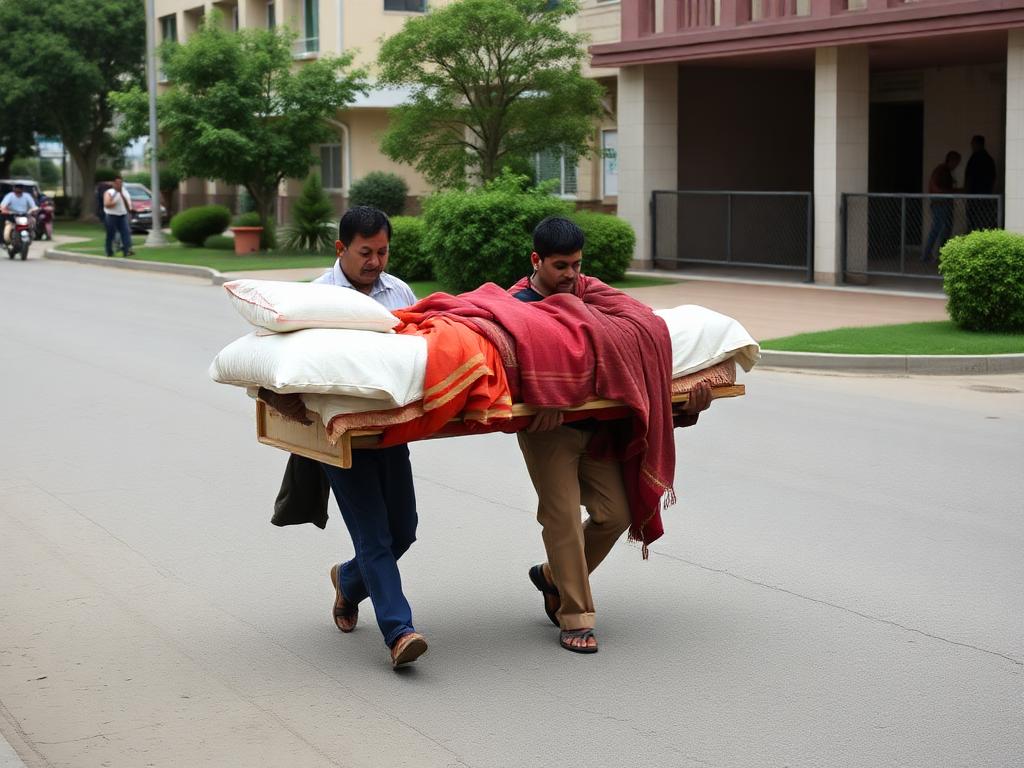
x,y
464,377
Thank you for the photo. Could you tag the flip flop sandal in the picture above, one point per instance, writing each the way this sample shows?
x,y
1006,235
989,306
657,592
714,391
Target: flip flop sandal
x,y
576,634
345,613
543,585
408,648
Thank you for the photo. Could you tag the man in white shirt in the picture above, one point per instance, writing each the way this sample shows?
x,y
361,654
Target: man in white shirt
x,y
117,205
18,201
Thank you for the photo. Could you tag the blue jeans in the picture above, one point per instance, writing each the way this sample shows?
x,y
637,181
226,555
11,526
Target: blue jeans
x,y
942,227
118,224
378,504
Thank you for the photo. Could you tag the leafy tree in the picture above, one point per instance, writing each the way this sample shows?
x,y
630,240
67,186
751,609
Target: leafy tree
x,y
492,80
59,62
240,110
313,226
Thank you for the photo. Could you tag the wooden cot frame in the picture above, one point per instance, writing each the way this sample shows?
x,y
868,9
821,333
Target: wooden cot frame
x,y
310,440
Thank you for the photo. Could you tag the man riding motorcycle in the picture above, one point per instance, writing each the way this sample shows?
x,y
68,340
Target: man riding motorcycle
x,y
16,202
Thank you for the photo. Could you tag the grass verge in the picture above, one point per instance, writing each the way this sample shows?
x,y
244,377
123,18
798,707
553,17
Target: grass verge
x,y
937,338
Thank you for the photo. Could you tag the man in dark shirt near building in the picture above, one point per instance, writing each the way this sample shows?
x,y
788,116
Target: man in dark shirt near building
x,y
980,179
941,182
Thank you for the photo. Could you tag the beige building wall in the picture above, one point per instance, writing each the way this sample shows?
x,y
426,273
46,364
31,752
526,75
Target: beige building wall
x,y
841,104
1015,131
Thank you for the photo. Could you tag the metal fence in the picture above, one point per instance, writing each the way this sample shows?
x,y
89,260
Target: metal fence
x,y
900,235
733,228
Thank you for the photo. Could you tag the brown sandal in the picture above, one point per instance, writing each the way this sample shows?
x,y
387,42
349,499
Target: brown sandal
x,y
345,613
408,648
567,635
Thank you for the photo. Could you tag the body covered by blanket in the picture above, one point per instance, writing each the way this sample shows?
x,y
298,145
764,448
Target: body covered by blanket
x,y
561,352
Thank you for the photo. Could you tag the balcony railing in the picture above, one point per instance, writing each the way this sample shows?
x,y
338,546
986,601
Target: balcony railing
x,y
646,18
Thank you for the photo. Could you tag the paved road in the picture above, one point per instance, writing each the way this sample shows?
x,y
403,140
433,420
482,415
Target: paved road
x,y
841,583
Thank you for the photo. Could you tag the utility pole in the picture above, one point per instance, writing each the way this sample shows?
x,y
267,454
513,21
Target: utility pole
x,y
156,233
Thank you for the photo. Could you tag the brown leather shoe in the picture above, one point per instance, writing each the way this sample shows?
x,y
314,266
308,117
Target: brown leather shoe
x,y
408,648
345,613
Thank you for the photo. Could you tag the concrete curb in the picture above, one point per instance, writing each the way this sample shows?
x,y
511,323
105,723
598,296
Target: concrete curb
x,y
900,364
117,262
905,364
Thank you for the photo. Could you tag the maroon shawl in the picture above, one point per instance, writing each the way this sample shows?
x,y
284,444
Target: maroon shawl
x,y
564,350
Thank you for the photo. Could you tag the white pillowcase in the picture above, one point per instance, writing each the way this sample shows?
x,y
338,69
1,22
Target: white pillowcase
x,y
702,337
283,306
388,369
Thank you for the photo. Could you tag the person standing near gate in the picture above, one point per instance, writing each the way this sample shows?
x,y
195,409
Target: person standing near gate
x,y
941,182
980,179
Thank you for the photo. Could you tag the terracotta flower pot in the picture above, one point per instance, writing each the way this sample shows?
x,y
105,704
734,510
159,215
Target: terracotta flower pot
x,y
247,239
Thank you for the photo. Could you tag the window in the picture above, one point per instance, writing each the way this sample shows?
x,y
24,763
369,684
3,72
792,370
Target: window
x,y
610,163
553,164
415,6
169,28
330,166
271,15
234,19
310,43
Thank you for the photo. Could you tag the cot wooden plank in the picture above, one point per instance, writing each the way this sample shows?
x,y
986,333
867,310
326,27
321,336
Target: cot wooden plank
x,y
311,440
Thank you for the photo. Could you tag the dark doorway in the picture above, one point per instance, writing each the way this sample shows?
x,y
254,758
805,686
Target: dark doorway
x,y
895,157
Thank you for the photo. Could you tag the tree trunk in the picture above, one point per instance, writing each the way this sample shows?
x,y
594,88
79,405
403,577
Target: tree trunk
x,y
265,199
86,163
5,162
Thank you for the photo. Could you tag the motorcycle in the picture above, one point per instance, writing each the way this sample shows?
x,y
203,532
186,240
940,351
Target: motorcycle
x,y
21,236
44,220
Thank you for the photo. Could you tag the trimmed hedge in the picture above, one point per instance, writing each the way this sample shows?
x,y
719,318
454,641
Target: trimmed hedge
x,y
407,258
220,242
386,191
609,245
193,225
983,275
486,235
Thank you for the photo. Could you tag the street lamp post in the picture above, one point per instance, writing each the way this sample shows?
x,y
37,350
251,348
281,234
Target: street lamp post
x,y
156,232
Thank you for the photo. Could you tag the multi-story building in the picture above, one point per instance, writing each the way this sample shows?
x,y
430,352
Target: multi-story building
x,y
333,26
802,133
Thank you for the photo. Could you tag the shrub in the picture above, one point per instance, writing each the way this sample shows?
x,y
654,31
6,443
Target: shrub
x,y
386,191
105,174
983,275
193,225
486,234
313,227
408,260
609,245
268,238
220,242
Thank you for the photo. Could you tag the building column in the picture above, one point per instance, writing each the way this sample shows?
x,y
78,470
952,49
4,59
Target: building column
x,y
1014,170
841,101
648,113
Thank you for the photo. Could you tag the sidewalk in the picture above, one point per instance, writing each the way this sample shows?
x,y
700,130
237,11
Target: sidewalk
x,y
766,309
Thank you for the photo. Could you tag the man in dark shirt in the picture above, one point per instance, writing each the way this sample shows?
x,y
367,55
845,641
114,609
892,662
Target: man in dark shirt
x,y
941,182
980,179
563,473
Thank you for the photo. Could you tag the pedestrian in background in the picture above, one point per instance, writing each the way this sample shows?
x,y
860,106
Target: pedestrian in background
x,y
116,207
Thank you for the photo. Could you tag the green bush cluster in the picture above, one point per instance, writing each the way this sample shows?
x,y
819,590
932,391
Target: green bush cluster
x,y
313,226
386,191
407,258
268,238
219,242
485,235
609,245
193,225
103,173
983,275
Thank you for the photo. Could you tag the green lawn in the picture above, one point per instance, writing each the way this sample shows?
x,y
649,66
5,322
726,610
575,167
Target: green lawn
x,y
938,338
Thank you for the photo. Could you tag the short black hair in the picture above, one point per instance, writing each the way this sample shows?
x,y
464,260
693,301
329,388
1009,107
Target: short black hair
x,y
978,139
952,155
363,220
556,234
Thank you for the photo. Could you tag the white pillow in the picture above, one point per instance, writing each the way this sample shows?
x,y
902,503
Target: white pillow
x,y
283,306
702,337
386,368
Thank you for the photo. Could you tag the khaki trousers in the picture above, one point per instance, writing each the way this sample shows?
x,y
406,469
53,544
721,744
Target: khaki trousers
x,y
564,477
